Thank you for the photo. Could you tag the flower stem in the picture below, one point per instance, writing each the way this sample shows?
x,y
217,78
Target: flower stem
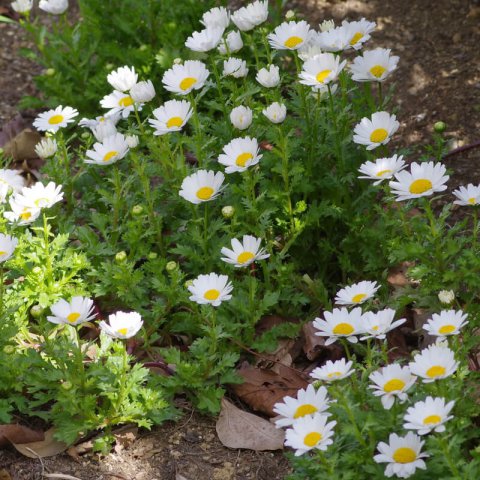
x,y
46,247
137,116
198,132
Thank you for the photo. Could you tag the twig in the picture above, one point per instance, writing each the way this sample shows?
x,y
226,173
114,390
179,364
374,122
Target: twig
x,y
465,148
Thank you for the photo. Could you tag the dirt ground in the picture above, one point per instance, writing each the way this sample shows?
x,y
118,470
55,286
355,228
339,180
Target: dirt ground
x,y
438,79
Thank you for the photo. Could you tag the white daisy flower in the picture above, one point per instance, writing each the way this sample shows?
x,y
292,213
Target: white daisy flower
x,y
235,67
21,214
382,168
202,186
104,130
22,6
171,117
434,363
241,117
123,79
333,40
403,455
77,310
374,66
39,196
359,32
423,180
7,246
182,79
268,77
55,7
119,103
231,43
467,196
240,154
376,130
333,371
428,416
54,120
310,432
250,16
10,181
92,123
326,25
321,70
210,289
143,92
446,323
446,296
276,112
309,51
307,403
340,323
109,151
390,382
378,324
357,293
205,40
290,35
46,147
122,324
245,252
217,17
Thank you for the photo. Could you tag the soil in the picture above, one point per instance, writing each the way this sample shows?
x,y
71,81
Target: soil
x,y
438,79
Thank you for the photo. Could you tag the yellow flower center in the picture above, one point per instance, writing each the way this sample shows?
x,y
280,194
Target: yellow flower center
x,y
393,385
73,317
311,439
122,331
303,410
472,201
375,328
25,215
378,135
2,252
292,42
334,375
55,119
436,371
378,71
126,101
243,158
205,193
381,173
175,122
358,36
404,455
343,329
321,76
244,257
211,294
187,83
432,420
420,186
108,156
358,297
447,329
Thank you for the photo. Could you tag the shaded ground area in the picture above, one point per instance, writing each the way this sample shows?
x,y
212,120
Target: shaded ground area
x,y
438,79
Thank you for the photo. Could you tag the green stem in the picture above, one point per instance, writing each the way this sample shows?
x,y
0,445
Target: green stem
x,y
286,176
118,195
380,96
2,286
198,132
220,91
446,452
123,382
137,116
79,358
46,247
338,146
475,228
205,231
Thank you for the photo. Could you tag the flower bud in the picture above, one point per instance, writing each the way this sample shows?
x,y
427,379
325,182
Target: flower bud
x,y
446,296
143,91
152,255
67,385
290,15
241,117
439,127
50,72
171,266
37,270
121,256
132,140
36,311
8,349
228,211
137,210
177,61
188,283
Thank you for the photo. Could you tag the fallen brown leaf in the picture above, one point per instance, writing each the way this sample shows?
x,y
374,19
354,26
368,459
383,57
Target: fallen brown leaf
x,y
18,434
263,388
125,437
4,475
44,448
239,429
22,146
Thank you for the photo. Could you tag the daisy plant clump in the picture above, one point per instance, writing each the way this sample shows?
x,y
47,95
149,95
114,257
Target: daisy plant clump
x,y
249,169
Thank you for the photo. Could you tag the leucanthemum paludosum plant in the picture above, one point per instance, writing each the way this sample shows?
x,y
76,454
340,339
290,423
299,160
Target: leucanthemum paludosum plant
x,y
321,227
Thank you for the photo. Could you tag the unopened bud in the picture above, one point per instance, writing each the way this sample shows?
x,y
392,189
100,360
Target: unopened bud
x,y
290,14
67,386
446,296
50,72
152,255
188,283
439,127
36,311
121,256
132,141
8,349
37,270
177,61
137,210
171,266
228,211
